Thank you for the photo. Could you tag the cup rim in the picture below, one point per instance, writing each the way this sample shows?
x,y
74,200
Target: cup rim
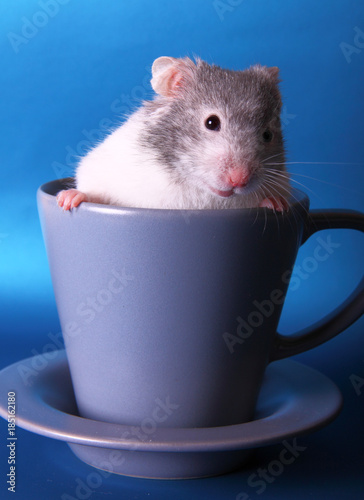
x,y
298,200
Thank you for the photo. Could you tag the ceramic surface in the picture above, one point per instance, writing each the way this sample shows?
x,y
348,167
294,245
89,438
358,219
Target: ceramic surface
x,y
294,399
179,306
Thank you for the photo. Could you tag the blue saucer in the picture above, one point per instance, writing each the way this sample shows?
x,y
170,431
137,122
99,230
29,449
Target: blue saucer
x,y
294,400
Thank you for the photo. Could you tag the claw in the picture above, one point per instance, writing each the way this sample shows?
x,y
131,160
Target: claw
x,y
70,198
277,204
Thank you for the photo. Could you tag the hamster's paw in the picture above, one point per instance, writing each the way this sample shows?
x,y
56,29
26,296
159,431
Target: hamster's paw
x,y
275,203
70,198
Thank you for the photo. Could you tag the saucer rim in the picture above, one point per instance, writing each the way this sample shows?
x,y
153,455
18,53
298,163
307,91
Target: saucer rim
x,y
35,412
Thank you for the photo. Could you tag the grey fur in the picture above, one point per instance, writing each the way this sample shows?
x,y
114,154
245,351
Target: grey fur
x,y
250,100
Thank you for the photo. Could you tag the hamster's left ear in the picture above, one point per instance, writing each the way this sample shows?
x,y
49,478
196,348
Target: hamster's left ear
x,y
169,75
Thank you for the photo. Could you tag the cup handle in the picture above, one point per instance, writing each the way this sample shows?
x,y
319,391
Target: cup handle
x,y
345,314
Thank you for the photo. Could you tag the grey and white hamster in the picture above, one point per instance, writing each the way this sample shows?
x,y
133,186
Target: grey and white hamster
x,y
211,138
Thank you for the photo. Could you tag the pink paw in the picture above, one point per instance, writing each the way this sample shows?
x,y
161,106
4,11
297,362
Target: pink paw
x,y
70,198
278,204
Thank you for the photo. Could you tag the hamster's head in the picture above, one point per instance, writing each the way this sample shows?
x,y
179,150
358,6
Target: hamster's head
x,y
218,130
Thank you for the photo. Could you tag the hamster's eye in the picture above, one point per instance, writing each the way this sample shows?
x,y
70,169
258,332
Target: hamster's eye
x,y
267,135
213,123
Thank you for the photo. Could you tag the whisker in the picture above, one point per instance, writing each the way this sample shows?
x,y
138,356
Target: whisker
x,y
271,175
271,193
272,181
294,212
273,171
324,182
316,163
273,156
258,201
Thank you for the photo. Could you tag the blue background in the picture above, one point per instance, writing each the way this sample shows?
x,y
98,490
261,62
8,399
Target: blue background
x,y
69,73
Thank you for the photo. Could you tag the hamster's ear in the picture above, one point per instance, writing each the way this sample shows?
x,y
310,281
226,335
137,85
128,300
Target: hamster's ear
x,y
272,73
170,74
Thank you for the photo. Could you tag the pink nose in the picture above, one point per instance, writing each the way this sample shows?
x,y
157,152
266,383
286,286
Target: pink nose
x,y
237,178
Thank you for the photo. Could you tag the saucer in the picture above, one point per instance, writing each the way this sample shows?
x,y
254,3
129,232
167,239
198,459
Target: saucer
x,y
294,400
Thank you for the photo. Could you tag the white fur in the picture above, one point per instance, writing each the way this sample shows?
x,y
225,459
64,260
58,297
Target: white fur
x,y
117,172
120,172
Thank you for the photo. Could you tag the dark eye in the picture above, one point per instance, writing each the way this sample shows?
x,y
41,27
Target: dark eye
x,y
213,123
267,135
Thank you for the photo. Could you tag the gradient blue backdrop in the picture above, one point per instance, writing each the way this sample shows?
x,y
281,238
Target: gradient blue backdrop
x,y
69,69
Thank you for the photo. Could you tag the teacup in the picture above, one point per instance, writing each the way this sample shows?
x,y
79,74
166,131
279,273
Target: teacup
x,y
170,317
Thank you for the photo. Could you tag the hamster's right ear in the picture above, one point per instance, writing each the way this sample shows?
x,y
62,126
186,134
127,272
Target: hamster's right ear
x,y
170,74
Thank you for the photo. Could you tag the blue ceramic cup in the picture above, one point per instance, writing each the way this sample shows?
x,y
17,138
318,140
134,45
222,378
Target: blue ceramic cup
x,y
170,317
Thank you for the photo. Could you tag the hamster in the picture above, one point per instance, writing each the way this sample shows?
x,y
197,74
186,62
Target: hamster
x,y
211,138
